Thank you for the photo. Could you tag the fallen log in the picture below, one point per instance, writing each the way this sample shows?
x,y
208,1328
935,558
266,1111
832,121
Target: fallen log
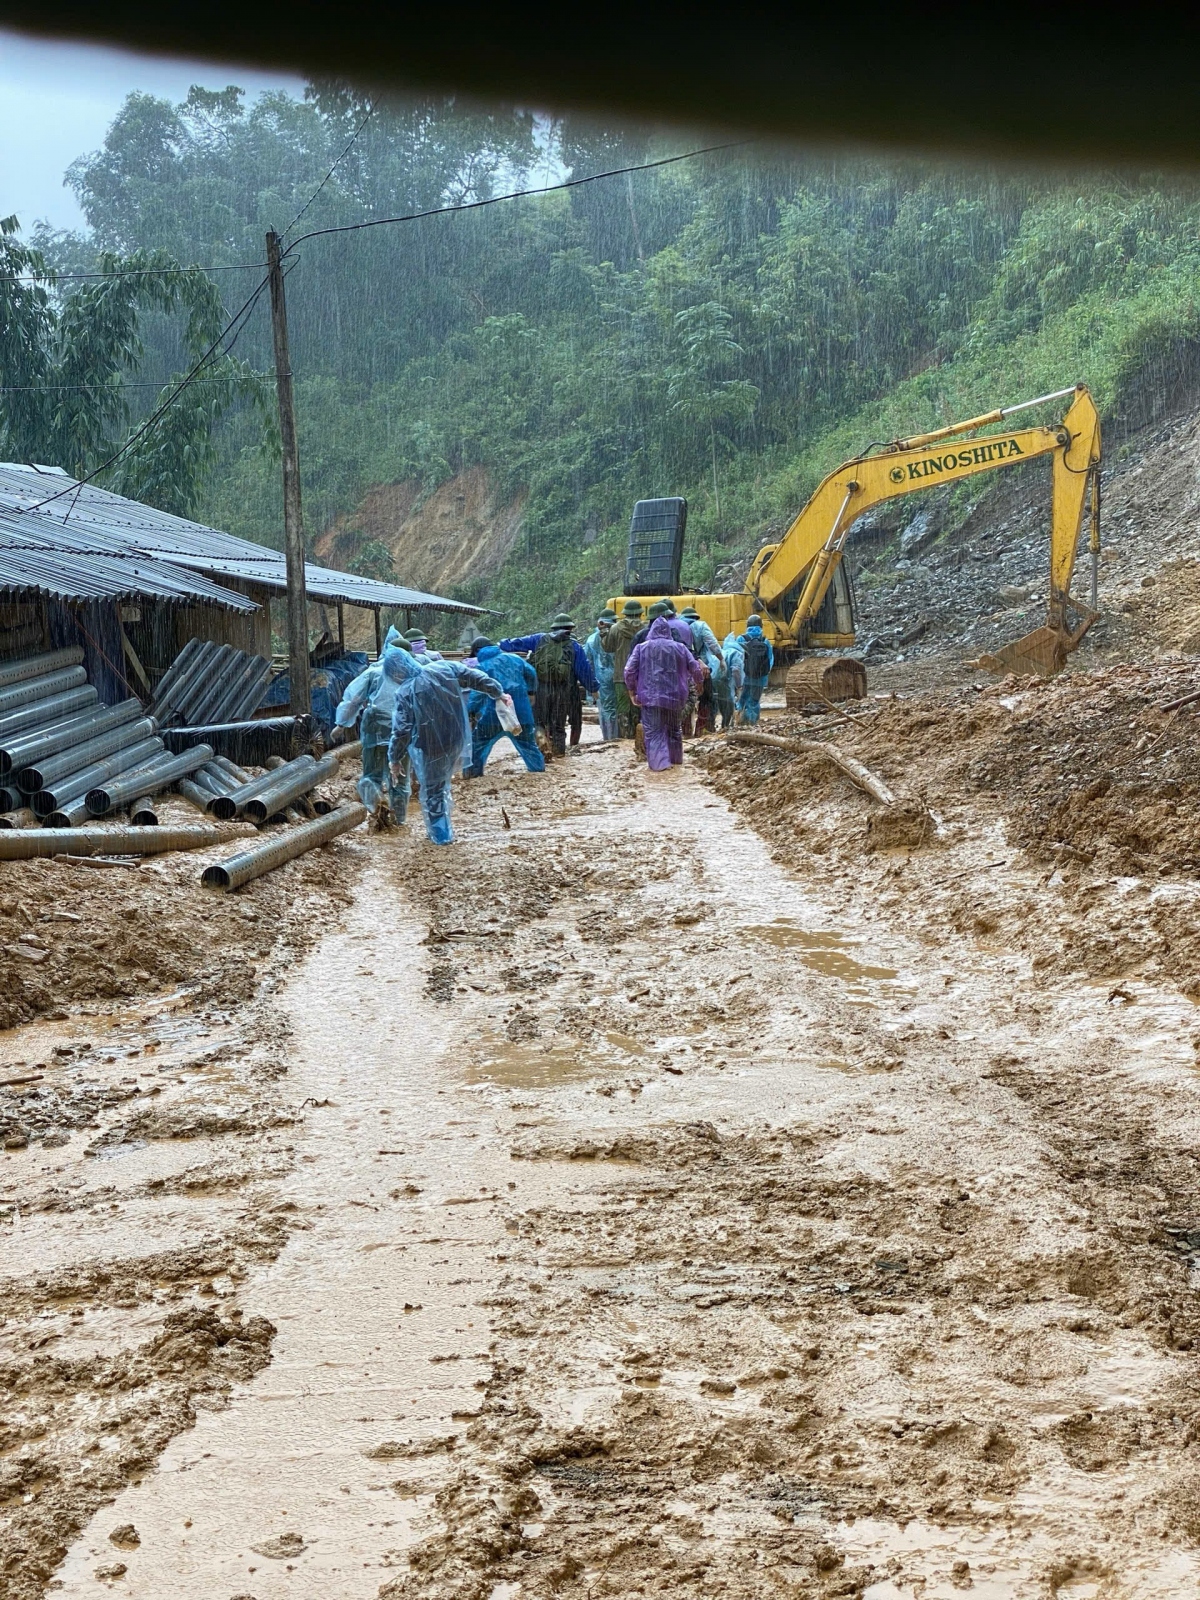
x,y
862,776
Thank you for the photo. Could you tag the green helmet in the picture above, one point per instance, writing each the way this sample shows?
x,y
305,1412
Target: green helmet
x,y
632,608
562,620
690,613
415,633
607,615
658,609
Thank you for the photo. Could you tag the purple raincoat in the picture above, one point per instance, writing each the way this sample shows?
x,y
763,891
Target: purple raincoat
x,y
661,670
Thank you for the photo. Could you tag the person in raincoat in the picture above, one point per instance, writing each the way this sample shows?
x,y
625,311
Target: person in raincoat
x,y
562,666
417,643
659,675
707,650
602,666
373,696
618,642
519,680
757,660
430,727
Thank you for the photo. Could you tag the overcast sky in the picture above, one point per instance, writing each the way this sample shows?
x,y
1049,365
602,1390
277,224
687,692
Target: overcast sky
x,y
57,100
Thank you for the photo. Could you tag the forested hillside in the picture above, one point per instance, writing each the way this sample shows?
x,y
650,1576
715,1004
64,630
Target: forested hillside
x,y
725,327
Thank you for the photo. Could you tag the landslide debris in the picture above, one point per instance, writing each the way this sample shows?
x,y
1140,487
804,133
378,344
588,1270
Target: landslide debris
x,y
1086,775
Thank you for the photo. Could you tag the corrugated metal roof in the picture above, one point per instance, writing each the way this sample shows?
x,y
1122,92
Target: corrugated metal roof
x,y
89,525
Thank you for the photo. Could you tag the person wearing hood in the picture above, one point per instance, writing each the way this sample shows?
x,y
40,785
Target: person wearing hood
x,y
519,680
430,727
618,642
659,675
417,643
373,696
561,664
757,660
602,666
707,650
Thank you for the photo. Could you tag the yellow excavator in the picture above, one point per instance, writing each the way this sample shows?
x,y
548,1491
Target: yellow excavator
x,y
798,585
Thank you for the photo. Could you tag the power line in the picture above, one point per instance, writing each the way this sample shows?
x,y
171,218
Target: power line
x,y
240,316
333,168
52,277
59,388
520,194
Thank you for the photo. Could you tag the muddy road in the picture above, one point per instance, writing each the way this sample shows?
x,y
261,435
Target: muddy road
x,y
619,1203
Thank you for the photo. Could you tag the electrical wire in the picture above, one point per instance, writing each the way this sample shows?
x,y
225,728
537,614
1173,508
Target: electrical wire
x,y
519,194
333,168
51,276
238,322
240,317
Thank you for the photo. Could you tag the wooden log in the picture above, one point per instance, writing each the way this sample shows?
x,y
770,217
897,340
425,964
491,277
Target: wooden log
x,y
859,775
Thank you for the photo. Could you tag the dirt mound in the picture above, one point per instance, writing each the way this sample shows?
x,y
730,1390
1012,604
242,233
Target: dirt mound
x,y
463,530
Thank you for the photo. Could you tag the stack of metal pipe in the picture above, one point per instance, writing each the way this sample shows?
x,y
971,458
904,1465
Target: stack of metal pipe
x,y
57,741
226,791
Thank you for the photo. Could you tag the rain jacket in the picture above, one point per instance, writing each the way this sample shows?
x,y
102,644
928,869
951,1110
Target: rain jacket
x,y
618,642
601,660
662,669
430,716
370,688
734,660
757,633
515,676
583,667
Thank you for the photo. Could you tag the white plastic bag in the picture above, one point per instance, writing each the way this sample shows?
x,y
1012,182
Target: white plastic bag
x,y
509,720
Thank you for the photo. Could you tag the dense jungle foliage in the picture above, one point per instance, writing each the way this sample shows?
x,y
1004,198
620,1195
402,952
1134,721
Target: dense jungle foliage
x,y
727,327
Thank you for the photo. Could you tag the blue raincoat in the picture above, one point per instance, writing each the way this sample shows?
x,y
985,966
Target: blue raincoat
x,y
606,681
752,688
374,695
429,724
519,680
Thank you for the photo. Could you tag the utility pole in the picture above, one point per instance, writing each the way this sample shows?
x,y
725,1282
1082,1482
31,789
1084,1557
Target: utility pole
x,y
293,517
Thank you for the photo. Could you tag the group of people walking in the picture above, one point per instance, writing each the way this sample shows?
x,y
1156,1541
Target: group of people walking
x,y
669,678
657,677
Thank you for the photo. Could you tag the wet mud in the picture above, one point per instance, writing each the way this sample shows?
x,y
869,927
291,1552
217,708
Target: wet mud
x,y
662,1191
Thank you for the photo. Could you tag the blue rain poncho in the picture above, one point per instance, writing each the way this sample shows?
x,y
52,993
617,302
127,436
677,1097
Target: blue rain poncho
x,y
374,696
430,725
735,659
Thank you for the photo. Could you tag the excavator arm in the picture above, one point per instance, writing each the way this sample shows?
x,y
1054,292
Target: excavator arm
x,y
790,579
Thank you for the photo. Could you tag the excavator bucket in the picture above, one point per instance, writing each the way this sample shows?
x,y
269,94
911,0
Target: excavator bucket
x,y
1039,654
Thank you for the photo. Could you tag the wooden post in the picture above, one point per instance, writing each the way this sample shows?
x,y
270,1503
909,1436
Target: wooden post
x,y
378,634
341,625
293,519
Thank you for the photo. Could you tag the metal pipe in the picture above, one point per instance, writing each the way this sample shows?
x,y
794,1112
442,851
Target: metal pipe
x,y
252,693
142,813
20,844
235,690
30,689
233,805
248,743
238,774
39,666
194,794
73,814
290,786
214,777
75,785
210,780
22,818
66,734
40,712
251,864
11,798
44,774
215,690
172,676
185,685
145,781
